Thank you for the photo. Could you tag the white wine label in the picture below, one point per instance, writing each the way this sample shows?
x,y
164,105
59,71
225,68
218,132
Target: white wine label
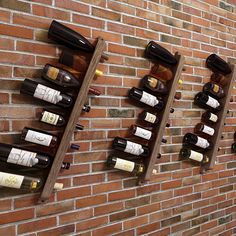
x,y
49,118
149,99
133,148
122,164
196,156
150,117
22,157
212,102
208,130
143,133
47,94
11,180
52,72
201,142
39,138
213,117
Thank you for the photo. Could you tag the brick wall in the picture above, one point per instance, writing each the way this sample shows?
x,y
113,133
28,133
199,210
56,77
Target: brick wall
x,y
96,201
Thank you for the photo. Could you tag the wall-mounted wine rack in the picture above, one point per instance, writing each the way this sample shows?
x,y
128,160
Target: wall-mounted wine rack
x,y
218,127
164,115
73,119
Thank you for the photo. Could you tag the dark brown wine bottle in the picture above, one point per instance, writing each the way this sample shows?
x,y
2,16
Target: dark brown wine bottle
x,y
18,156
149,117
130,147
204,130
45,93
52,118
146,98
209,117
156,52
218,65
219,79
39,137
161,72
154,84
192,139
213,90
205,101
125,165
186,153
141,132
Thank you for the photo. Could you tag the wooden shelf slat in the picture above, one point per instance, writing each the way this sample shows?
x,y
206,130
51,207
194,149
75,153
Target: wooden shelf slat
x,y
73,119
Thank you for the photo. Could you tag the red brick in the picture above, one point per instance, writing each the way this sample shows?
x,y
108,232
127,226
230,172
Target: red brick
x,y
171,184
127,194
58,231
90,201
107,187
75,216
16,31
16,58
134,223
108,208
9,231
85,20
5,16
71,5
108,230
92,223
148,208
73,193
148,228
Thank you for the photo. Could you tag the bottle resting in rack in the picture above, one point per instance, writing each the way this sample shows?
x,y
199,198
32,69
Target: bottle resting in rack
x,y
213,90
52,118
146,98
18,156
209,117
141,132
204,130
219,79
154,84
125,165
39,137
148,117
130,147
218,65
192,139
187,153
156,52
205,101
161,72
45,93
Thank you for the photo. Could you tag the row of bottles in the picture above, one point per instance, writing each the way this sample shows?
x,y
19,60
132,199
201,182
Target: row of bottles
x,y
154,89
61,86
196,144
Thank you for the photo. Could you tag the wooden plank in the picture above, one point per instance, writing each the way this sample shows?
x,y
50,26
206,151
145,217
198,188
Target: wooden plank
x,y
159,129
212,154
73,119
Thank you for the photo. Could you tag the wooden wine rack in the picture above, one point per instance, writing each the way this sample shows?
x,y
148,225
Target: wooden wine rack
x,y
218,127
73,119
164,115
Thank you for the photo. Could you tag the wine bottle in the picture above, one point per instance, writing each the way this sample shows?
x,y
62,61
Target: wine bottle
x,y
201,128
18,156
86,108
77,62
156,52
63,78
192,139
187,153
20,182
146,98
141,132
39,137
149,117
130,147
205,101
65,166
161,72
209,117
218,65
122,164
45,93
219,79
154,84
214,90
52,118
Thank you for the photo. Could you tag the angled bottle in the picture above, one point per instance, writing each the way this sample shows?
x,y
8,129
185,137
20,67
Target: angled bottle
x,y
141,132
209,117
161,72
45,93
206,101
204,130
148,117
154,84
146,98
52,118
213,90
192,139
125,165
18,156
130,147
186,153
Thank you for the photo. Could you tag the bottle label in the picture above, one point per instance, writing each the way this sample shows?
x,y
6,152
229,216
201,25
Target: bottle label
x,y
216,88
152,82
133,148
49,118
150,118
201,142
212,102
22,157
213,117
196,156
47,94
39,138
143,133
149,99
208,130
122,164
52,72
11,180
